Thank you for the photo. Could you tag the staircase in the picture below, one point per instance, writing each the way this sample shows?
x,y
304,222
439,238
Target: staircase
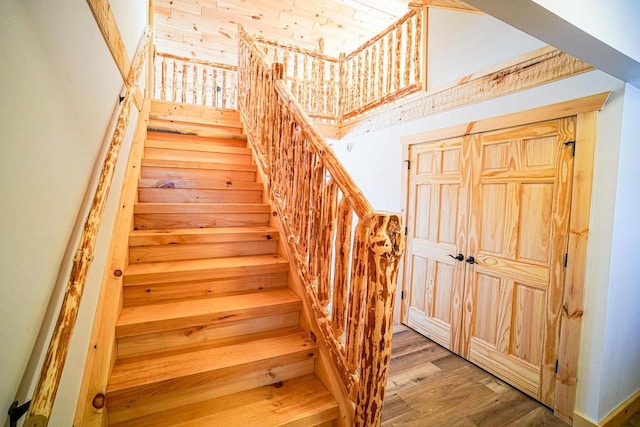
x,y
210,332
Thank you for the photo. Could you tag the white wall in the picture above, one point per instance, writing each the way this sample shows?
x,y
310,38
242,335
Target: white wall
x,y
457,44
620,374
610,316
59,88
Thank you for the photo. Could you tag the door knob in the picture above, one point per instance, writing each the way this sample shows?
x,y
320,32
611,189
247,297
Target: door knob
x,y
471,260
459,257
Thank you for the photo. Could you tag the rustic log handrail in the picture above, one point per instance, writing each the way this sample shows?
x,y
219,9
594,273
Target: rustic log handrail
x,y
193,81
51,372
348,273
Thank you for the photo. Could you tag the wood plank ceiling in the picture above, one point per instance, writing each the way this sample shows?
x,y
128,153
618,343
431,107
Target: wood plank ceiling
x,y
206,29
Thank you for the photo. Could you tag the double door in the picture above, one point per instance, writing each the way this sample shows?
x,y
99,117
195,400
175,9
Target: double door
x,y
487,218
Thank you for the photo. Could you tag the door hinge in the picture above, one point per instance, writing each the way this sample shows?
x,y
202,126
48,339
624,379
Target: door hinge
x,y
566,259
406,230
573,144
408,162
556,366
402,294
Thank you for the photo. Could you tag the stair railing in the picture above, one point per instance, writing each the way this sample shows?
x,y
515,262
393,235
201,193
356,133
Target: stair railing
x,y
197,82
51,372
348,266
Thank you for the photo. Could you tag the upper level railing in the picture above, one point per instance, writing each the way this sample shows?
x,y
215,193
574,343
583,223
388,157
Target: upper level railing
x,y
388,67
345,253
193,81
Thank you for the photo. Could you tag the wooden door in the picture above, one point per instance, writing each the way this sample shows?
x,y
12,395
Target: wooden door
x,y
520,204
436,222
503,198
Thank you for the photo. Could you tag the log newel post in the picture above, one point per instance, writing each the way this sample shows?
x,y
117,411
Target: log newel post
x,y
385,246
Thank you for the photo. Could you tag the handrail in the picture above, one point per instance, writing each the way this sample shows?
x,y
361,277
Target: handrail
x,y
51,372
349,277
194,81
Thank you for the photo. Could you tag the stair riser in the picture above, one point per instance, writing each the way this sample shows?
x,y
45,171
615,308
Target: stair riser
x,y
233,235
200,251
204,220
151,399
226,177
194,139
196,156
175,195
152,293
206,336
193,128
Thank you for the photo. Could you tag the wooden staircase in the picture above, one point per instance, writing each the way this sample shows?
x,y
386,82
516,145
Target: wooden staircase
x,y
210,332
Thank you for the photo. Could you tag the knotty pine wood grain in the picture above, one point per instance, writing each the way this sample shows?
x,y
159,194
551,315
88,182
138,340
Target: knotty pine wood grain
x,y
429,386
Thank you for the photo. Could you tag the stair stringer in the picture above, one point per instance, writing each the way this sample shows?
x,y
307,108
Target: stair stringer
x,y
324,370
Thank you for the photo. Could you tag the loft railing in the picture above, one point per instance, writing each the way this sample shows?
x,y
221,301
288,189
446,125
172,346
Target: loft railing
x,y
193,81
51,372
345,254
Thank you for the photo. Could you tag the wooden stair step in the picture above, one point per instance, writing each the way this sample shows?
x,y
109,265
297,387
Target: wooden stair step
x,y
301,401
139,373
191,112
201,235
159,292
207,336
196,156
151,318
154,245
198,147
197,165
191,195
159,125
152,216
203,269
178,138
201,185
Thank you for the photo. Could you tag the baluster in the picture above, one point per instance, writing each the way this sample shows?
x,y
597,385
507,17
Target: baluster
x,y
163,88
381,51
372,82
174,84
214,90
341,272
408,25
224,89
389,63
285,67
294,86
358,97
194,91
355,319
305,196
398,59
331,98
417,48
317,191
306,86
365,83
185,68
328,224
205,83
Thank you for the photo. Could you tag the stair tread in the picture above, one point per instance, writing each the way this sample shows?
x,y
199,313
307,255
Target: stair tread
x,y
169,315
298,401
182,268
198,184
186,164
197,146
176,207
135,372
199,235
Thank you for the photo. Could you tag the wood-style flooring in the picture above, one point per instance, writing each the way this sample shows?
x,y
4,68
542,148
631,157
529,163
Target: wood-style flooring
x,y
430,386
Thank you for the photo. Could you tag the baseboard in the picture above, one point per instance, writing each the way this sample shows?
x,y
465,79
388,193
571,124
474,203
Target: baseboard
x,y
616,418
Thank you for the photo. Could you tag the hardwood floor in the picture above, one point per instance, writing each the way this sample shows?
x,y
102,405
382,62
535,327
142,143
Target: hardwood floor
x,y
430,386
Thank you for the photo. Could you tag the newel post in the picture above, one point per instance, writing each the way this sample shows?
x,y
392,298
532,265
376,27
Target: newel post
x,y
385,246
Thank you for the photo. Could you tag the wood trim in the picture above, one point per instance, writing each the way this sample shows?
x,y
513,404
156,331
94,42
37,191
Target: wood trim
x,y
198,61
616,418
456,5
525,72
549,112
106,21
102,352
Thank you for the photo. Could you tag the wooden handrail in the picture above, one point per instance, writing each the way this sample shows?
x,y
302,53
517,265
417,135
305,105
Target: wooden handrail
x,y
51,372
351,299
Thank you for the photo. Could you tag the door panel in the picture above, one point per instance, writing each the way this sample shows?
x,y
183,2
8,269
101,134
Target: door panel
x,y
520,197
502,197
437,219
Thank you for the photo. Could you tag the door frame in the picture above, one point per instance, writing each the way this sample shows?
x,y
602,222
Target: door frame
x,y
586,112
